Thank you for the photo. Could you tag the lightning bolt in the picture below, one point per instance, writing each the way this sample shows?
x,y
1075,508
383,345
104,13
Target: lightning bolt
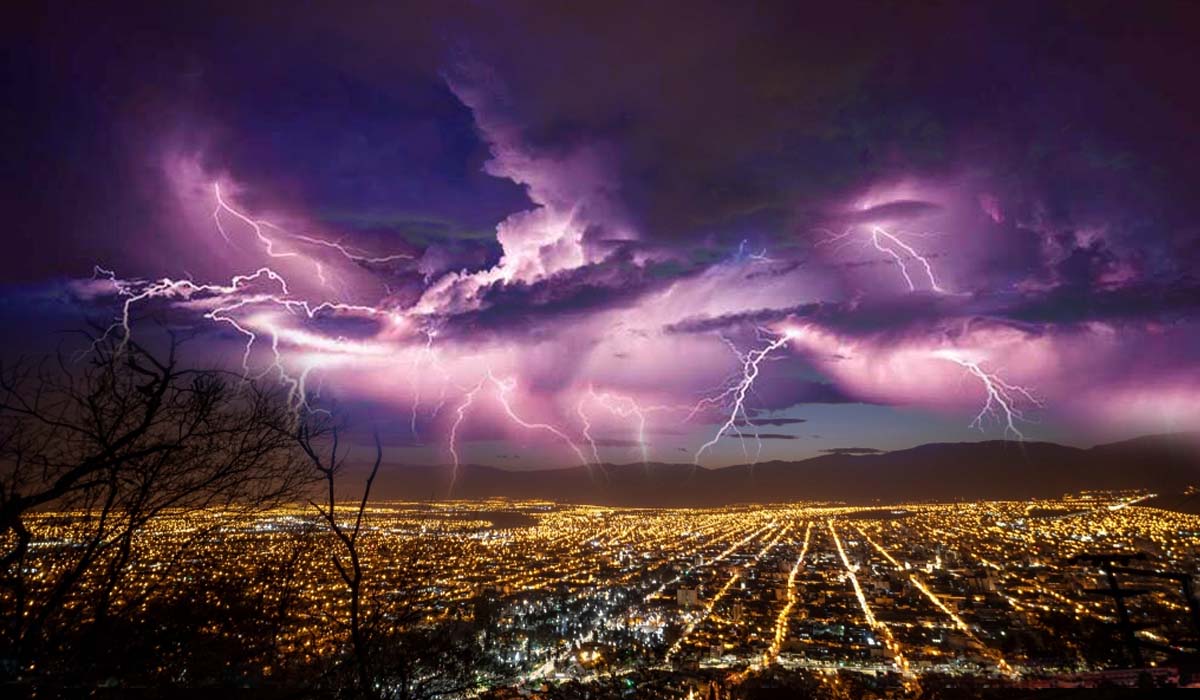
x,y
587,425
504,387
622,407
460,415
255,225
257,306
1002,398
260,226
234,304
426,352
352,254
264,310
899,251
737,393
225,302
228,302
878,235
136,291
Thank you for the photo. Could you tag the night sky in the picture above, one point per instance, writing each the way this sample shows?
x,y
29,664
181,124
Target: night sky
x,y
533,234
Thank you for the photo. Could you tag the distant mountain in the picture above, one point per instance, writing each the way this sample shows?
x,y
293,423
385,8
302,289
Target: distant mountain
x,y
936,472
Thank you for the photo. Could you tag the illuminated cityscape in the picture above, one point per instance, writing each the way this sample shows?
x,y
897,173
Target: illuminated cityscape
x,y
819,596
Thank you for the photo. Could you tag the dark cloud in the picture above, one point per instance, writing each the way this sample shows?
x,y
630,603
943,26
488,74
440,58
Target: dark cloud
x,y
766,129
521,307
833,97
708,324
854,317
761,436
813,392
348,115
769,421
1065,304
783,385
1141,302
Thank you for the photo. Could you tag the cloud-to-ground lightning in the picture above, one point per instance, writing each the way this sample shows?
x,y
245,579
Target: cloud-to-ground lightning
x,y
736,394
223,301
622,406
427,353
1002,398
263,306
504,387
460,415
251,304
240,303
587,427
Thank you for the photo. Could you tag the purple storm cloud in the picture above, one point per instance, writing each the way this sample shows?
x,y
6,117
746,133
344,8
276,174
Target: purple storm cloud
x,y
678,257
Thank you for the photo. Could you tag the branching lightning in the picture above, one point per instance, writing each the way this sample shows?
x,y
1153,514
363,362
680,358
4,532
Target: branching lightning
x,y
426,355
587,426
623,407
243,294
352,254
736,394
265,310
879,235
899,251
504,388
257,226
1002,398
252,305
460,414
260,226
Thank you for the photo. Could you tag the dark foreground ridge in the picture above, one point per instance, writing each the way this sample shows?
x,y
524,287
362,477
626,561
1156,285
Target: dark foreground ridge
x,y
933,472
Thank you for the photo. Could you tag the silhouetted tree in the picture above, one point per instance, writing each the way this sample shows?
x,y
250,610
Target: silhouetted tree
x,y
346,557
115,439
394,651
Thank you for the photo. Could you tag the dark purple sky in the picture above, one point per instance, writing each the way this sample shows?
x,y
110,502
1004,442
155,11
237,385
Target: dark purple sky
x,y
546,233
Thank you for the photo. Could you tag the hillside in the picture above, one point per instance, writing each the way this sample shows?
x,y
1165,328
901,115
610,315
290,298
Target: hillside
x,y
939,471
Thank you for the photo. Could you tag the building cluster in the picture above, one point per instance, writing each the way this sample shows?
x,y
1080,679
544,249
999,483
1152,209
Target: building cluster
x,y
704,601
